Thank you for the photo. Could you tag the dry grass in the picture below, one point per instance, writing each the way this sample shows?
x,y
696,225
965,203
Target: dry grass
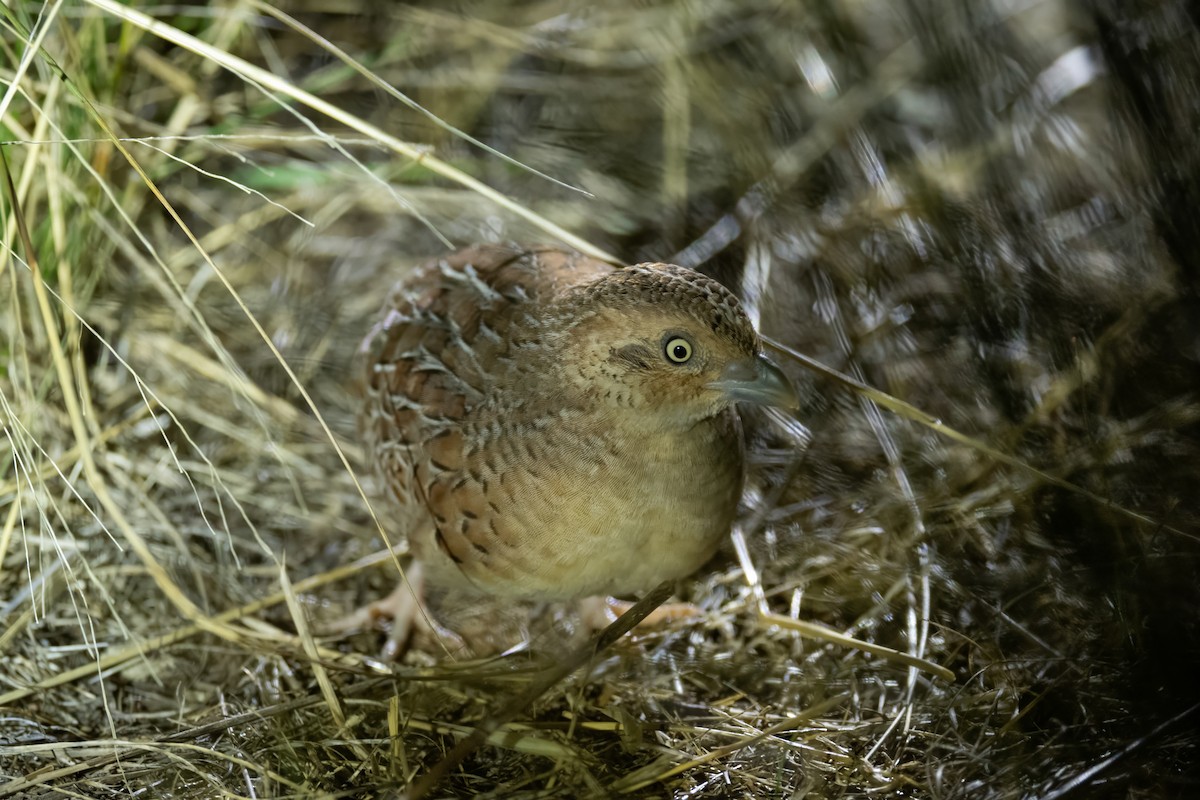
x,y
951,203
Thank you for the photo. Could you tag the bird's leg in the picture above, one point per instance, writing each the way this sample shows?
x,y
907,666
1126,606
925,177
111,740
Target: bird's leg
x,y
403,606
599,612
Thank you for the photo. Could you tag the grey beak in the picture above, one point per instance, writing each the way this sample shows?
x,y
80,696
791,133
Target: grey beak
x,y
757,380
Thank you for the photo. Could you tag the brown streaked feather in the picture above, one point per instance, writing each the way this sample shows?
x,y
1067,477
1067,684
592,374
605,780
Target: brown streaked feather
x,y
431,360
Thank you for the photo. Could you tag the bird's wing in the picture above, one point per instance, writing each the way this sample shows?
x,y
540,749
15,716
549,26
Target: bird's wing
x,y
444,332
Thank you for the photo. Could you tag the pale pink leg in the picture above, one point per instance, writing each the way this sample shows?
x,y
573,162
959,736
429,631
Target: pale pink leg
x,y
405,610
599,612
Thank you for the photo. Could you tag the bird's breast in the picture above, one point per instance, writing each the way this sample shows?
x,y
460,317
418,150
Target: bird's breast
x,y
580,505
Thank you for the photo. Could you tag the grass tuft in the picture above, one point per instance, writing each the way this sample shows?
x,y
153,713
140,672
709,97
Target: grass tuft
x,y
966,569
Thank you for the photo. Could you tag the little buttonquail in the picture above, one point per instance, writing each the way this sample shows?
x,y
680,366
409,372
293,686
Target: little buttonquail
x,y
553,427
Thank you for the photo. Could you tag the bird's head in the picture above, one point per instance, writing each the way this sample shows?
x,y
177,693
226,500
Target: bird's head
x,y
666,338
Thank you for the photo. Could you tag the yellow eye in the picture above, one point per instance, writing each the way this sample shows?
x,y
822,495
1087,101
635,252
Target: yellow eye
x,y
678,350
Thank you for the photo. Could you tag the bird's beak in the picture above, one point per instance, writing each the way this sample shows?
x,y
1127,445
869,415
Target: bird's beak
x,y
757,380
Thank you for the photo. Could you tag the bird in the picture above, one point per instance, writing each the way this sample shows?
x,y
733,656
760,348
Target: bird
x,y
552,427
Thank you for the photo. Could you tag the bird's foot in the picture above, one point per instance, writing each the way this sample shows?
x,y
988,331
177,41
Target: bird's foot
x,y
600,612
404,608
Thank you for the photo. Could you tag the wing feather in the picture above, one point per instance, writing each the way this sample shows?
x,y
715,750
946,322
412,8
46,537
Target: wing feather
x,y
431,363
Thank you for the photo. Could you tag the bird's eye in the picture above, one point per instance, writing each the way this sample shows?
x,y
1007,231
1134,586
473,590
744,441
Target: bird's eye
x,y
678,350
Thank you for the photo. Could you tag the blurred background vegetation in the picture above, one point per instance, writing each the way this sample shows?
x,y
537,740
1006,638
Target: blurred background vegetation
x,y
985,208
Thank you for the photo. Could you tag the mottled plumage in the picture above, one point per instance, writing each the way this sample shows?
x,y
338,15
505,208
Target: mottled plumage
x,y
555,427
